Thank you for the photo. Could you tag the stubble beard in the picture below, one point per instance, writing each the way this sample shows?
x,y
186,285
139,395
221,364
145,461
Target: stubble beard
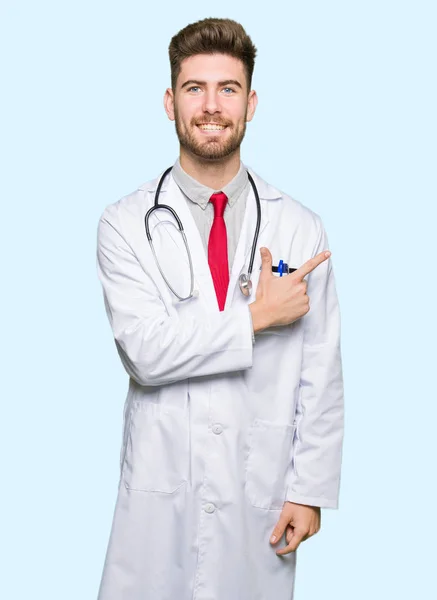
x,y
212,148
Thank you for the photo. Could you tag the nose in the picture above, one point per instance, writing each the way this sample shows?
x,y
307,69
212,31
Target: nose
x,y
211,103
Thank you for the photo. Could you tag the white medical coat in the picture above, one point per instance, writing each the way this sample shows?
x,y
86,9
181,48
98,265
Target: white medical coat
x,y
218,432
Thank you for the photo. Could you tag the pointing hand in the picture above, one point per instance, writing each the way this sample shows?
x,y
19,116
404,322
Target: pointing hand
x,y
282,300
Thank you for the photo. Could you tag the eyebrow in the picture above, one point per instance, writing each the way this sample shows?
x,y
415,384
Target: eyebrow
x,y
220,83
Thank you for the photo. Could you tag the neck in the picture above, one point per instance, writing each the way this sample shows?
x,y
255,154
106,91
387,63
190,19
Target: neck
x,y
212,173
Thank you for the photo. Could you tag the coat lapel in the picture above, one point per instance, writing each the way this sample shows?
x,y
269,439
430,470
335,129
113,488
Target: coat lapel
x,y
245,242
172,196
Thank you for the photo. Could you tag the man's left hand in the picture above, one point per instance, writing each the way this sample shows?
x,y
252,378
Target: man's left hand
x,y
299,522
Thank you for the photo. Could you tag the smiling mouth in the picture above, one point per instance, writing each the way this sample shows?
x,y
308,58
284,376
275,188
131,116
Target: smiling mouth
x,y
211,130
214,128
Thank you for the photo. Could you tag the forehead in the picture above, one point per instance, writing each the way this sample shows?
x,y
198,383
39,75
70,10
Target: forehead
x,y
212,68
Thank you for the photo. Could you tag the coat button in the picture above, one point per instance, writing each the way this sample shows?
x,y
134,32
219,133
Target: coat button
x,y
217,428
209,508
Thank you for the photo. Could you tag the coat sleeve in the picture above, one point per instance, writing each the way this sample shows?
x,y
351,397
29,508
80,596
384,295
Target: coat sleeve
x,y
156,348
314,474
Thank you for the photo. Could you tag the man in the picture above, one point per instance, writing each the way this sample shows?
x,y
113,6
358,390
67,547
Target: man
x,y
233,422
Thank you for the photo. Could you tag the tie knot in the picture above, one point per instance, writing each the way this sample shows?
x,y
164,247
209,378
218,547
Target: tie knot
x,y
219,202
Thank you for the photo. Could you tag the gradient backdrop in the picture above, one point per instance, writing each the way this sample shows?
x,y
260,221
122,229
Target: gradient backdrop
x,y
346,124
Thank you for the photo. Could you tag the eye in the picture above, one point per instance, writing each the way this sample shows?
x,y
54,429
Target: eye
x,y
194,87
230,89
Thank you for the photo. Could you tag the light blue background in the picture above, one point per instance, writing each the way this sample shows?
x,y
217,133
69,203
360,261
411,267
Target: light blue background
x,y
346,124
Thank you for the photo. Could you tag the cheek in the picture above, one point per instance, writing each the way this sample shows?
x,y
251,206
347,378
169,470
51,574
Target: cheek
x,y
238,114
193,111
185,114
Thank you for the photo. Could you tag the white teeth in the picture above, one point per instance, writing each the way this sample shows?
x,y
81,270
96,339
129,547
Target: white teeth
x,y
212,127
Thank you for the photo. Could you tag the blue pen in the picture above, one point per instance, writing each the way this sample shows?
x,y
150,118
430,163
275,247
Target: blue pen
x,y
280,267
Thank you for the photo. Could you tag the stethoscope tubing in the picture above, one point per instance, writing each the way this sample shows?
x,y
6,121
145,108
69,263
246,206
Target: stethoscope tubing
x,y
258,224
156,205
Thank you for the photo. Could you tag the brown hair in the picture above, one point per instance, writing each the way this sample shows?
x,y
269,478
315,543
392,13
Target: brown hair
x,y
210,36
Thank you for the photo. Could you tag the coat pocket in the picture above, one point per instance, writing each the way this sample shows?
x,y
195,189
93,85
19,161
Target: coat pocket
x,y
157,451
269,456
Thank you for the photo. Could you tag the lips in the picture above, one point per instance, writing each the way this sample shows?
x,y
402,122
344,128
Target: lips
x,y
211,126
211,123
216,129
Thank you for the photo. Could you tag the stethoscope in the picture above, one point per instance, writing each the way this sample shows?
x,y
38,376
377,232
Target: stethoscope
x,y
244,280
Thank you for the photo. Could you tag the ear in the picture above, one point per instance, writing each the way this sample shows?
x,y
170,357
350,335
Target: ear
x,y
251,105
169,103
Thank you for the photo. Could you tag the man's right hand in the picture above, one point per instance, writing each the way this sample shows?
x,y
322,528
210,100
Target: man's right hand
x,y
282,300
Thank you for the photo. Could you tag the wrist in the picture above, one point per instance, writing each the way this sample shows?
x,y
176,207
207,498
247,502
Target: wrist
x,y
259,317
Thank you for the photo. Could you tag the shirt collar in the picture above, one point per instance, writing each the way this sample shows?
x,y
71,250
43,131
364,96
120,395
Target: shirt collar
x,y
265,190
200,194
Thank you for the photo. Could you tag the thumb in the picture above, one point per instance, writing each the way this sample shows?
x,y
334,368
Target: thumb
x,y
266,265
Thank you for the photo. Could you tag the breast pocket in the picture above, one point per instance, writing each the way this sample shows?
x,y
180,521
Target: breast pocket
x,y
268,458
157,451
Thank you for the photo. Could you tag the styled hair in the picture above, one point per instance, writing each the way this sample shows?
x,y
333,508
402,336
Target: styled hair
x,y
210,36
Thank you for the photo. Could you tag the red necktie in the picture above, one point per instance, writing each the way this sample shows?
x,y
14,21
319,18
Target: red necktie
x,y
218,249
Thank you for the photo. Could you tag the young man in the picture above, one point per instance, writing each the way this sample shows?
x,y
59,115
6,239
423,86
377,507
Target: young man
x,y
233,422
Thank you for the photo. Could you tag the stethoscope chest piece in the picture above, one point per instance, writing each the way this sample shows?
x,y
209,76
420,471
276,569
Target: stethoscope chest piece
x,y
245,284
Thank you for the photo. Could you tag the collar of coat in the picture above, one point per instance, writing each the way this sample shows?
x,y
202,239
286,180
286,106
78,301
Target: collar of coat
x,y
265,190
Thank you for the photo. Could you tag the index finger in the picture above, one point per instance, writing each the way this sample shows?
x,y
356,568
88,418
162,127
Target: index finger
x,y
311,264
